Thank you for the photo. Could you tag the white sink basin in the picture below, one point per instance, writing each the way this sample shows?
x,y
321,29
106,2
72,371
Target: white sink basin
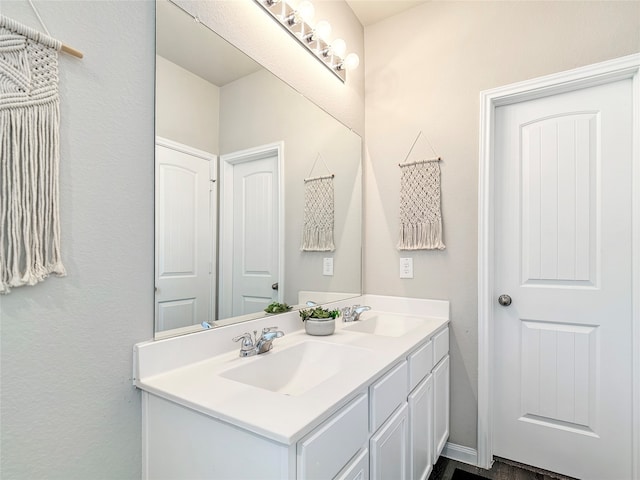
x,y
386,325
297,369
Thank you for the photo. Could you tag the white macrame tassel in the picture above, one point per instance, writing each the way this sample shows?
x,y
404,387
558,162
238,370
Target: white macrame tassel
x,y
420,214
29,157
317,232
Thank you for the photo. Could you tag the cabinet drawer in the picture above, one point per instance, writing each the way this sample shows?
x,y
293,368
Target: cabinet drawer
x,y
420,364
387,394
325,451
440,345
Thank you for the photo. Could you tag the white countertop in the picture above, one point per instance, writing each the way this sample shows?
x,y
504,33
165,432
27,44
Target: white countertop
x,y
279,417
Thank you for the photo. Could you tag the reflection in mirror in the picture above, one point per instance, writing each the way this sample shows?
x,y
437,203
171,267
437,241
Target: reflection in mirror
x,y
234,145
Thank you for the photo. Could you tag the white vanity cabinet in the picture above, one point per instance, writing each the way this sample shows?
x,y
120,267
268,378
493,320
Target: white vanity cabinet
x,y
408,444
428,402
390,424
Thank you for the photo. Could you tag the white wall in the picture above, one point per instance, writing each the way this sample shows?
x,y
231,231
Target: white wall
x,y
68,408
424,70
187,107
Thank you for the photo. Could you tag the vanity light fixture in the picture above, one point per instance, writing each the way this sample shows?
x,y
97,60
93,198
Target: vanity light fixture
x,y
297,20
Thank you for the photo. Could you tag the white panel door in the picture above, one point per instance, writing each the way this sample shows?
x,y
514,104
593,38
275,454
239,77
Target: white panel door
x,y
255,235
441,406
183,239
389,448
421,429
562,348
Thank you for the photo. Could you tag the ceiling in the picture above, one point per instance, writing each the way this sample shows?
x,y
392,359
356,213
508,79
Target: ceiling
x,y
372,11
179,42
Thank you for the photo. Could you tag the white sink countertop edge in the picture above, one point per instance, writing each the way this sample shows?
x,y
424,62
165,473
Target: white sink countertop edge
x,y
286,419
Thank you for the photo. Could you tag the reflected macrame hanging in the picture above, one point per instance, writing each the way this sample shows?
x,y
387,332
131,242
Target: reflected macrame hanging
x,y
317,232
29,156
420,214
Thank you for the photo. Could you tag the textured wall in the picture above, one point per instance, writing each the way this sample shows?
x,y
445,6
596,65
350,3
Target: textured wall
x,y
68,408
424,71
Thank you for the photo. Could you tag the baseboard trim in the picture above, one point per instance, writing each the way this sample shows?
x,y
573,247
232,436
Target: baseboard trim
x,y
460,453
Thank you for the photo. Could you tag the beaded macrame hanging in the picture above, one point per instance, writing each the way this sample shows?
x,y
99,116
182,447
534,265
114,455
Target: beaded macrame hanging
x,y
420,199
317,231
29,156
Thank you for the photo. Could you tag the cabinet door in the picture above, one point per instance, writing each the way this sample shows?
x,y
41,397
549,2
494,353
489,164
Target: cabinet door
x,y
440,406
387,394
421,430
390,448
358,468
326,450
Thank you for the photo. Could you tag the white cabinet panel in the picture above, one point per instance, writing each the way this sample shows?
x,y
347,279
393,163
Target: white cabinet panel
x,y
387,394
421,430
441,405
440,345
358,468
389,448
420,364
324,452
559,156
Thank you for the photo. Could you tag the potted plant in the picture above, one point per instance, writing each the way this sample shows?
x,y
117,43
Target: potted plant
x,y
276,307
319,321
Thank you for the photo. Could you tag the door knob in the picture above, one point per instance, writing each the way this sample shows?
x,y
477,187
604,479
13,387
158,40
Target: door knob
x,y
504,300
274,286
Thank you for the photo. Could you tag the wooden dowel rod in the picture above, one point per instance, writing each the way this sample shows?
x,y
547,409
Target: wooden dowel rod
x,y
71,51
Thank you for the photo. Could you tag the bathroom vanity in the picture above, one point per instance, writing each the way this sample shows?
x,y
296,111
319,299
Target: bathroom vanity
x,y
369,401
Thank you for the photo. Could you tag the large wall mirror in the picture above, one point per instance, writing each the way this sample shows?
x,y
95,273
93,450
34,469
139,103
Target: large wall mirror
x,y
234,147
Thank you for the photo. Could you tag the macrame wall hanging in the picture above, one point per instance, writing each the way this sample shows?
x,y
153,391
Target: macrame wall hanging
x,y
420,213
317,232
29,155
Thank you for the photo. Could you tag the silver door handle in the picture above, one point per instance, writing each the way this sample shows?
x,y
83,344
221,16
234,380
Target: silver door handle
x,y
504,300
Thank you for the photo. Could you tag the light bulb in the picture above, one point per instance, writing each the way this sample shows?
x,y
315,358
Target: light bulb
x,y
338,47
306,10
322,30
351,62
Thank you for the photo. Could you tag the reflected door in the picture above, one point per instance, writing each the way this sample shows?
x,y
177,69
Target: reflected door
x,y
250,204
563,353
184,245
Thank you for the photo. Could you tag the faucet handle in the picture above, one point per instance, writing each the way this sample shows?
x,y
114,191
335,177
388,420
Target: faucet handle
x,y
269,329
247,340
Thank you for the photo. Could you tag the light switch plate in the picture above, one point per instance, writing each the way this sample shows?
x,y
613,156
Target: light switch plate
x,y
327,266
406,268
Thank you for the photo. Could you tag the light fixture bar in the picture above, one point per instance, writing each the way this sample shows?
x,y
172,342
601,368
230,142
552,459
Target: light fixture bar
x,y
303,32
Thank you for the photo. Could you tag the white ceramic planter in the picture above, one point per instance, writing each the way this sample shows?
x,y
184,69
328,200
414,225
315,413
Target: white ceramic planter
x,y
320,327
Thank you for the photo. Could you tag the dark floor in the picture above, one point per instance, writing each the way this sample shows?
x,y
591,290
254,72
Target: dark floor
x,y
501,470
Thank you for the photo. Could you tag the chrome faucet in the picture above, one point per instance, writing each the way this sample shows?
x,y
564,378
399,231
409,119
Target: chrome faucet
x,y
252,345
352,314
